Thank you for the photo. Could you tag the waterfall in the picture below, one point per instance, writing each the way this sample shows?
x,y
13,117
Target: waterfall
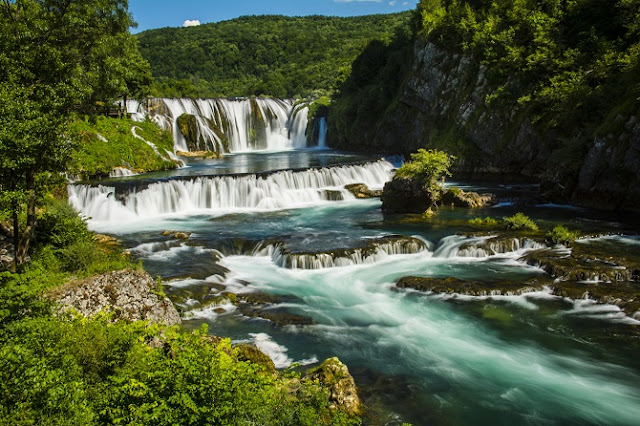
x,y
375,251
322,132
280,190
232,125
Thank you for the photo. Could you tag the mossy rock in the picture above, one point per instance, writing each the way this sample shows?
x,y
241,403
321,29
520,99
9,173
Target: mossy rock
x,y
625,295
334,375
252,354
455,197
451,285
360,190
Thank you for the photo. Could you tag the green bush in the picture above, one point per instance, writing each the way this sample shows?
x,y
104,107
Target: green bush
x,y
487,221
59,226
561,235
428,167
520,222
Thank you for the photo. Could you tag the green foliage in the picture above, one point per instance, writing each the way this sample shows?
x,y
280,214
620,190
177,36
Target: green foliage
x,y
561,235
569,63
427,166
95,157
255,55
486,222
520,222
55,58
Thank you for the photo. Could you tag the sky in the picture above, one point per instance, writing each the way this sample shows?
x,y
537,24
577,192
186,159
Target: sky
x,y
175,13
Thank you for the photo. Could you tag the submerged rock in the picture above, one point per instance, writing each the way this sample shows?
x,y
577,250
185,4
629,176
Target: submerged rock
x,y
335,376
199,154
360,190
625,295
577,266
129,294
263,305
450,285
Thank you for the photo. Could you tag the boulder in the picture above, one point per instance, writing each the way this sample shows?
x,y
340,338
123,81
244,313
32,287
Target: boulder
x,y
334,375
360,190
129,294
455,197
406,196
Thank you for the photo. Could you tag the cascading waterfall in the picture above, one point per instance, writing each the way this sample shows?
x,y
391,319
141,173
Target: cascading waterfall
x,y
377,250
280,190
232,125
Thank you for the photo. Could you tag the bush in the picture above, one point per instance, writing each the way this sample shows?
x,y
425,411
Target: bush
x,y
59,226
487,221
520,222
561,235
428,167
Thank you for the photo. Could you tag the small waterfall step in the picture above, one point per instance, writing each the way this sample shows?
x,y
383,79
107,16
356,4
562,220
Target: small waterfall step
x,y
281,190
369,252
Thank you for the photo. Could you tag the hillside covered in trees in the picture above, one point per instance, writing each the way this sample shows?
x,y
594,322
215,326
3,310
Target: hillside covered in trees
x,y
547,88
254,55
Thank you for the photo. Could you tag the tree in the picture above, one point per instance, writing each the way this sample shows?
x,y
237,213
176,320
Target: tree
x,y
428,167
56,57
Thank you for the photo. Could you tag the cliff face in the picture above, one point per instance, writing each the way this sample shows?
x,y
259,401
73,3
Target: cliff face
x,y
442,104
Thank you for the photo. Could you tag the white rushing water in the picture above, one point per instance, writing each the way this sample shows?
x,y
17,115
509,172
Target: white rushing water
x,y
240,125
402,333
223,194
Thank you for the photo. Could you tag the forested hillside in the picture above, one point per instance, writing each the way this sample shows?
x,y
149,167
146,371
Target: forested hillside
x,y
547,88
254,55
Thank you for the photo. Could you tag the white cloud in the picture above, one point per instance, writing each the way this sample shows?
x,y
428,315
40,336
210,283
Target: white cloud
x,y
191,23
392,3
405,3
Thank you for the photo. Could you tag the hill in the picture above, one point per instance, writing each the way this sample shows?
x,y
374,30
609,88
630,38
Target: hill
x,y
253,55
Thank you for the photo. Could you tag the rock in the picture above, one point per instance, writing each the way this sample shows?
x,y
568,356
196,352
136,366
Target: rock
x,y
199,154
106,240
625,295
455,197
128,294
335,376
360,190
450,285
254,355
581,266
178,235
332,195
406,196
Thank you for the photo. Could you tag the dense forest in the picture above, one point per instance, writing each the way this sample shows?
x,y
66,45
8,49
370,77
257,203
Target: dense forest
x,y
261,55
525,85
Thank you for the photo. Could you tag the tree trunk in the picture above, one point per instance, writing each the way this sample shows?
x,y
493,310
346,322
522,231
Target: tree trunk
x,y
16,236
25,240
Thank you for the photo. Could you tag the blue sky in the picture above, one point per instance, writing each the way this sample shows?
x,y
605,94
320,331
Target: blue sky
x,y
171,13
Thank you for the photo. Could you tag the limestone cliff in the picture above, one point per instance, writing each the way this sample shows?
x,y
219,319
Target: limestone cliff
x,y
443,102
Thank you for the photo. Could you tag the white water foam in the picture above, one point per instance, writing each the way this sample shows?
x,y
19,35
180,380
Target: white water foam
x,y
281,190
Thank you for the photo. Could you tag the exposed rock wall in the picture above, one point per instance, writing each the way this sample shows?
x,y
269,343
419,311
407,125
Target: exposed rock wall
x,y
129,294
443,104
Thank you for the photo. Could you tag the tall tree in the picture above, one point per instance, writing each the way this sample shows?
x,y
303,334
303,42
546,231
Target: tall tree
x,y
56,57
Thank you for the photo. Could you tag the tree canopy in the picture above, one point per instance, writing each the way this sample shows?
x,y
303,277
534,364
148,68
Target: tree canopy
x,y
254,55
57,57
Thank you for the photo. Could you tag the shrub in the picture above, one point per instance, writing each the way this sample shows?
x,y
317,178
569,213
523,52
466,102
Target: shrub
x,y
520,222
428,167
487,221
59,226
561,235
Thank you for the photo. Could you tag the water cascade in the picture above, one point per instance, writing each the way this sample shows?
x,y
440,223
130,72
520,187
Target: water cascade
x,y
375,251
280,190
232,125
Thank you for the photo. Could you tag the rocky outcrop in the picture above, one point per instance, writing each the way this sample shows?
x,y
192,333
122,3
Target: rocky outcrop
x,y
129,294
450,285
335,376
360,190
406,196
467,199
444,105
